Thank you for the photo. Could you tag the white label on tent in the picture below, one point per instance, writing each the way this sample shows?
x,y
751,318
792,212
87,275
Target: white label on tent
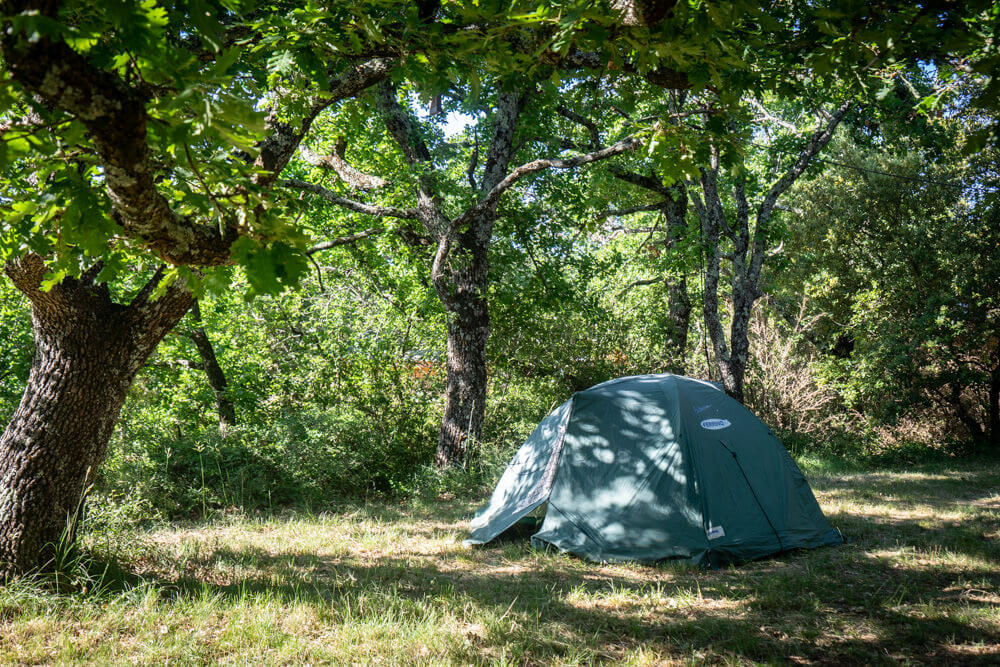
x,y
715,532
715,424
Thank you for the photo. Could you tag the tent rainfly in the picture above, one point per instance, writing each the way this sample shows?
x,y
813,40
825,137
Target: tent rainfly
x,y
656,467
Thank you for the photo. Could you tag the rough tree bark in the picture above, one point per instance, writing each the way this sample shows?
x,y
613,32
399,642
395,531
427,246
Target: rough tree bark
x,y
748,250
461,267
462,290
461,263
88,350
642,12
214,373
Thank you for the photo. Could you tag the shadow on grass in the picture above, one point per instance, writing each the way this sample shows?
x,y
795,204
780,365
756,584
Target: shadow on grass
x,y
832,605
770,610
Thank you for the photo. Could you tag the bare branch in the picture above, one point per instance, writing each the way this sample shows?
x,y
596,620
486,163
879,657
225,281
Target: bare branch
x,y
650,182
616,213
359,207
771,118
344,240
820,138
623,146
789,209
591,126
640,283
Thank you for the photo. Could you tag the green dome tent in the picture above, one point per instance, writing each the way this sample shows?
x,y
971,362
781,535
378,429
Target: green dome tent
x,y
657,466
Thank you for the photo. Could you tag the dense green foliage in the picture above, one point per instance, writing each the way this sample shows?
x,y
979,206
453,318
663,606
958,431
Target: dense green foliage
x,y
335,359
907,286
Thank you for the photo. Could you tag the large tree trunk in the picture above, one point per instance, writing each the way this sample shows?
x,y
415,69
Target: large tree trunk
x,y
213,371
461,264
748,248
462,287
468,333
88,350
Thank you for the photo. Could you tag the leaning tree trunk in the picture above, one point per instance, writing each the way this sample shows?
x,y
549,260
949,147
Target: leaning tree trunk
x,y
464,298
213,372
977,433
994,406
88,350
678,302
678,324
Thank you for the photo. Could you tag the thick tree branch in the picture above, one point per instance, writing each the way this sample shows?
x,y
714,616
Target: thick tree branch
x,y
403,128
500,151
713,201
400,125
278,148
153,317
336,163
344,240
640,283
820,138
480,225
26,272
115,116
359,207
635,230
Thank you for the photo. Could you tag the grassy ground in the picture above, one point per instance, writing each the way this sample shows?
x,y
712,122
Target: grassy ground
x,y
919,582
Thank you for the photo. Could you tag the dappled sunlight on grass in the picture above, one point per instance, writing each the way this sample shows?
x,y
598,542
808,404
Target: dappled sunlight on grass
x,y
918,580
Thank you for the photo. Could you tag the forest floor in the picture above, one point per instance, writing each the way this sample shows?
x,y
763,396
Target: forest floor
x,y
918,582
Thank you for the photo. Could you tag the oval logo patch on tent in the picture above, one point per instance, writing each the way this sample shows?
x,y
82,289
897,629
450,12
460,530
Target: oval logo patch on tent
x,y
715,424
